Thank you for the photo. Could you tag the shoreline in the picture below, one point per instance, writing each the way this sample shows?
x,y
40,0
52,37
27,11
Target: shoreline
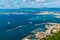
x,y
50,31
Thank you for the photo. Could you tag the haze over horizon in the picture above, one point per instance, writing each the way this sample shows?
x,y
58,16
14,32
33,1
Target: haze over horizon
x,y
9,4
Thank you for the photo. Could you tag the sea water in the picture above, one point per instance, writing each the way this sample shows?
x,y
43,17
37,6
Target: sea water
x,y
27,20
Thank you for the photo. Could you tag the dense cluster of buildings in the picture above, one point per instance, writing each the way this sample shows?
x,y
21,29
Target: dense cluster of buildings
x,y
51,29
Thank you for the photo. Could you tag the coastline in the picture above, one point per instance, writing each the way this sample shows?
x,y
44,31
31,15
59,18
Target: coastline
x,y
50,31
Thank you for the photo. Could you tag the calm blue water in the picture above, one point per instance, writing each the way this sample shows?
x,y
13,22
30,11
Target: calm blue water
x,y
23,19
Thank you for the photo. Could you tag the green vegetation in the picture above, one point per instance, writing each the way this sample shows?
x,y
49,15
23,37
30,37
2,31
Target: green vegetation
x,y
55,36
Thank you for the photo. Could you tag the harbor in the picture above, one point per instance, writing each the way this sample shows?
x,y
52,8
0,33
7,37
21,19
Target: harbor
x,y
52,28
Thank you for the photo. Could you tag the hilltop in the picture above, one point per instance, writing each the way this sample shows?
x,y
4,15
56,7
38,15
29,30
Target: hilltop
x,y
55,36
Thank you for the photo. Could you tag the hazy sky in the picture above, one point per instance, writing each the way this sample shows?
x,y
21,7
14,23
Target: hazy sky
x,y
29,3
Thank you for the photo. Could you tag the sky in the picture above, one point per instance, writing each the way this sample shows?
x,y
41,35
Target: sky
x,y
8,4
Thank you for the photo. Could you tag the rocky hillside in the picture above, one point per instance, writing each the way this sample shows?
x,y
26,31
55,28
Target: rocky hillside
x,y
55,36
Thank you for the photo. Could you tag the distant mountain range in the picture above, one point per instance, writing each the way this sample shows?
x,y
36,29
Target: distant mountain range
x,y
30,10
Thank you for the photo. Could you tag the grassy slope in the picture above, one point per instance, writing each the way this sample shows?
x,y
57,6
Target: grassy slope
x,y
53,37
